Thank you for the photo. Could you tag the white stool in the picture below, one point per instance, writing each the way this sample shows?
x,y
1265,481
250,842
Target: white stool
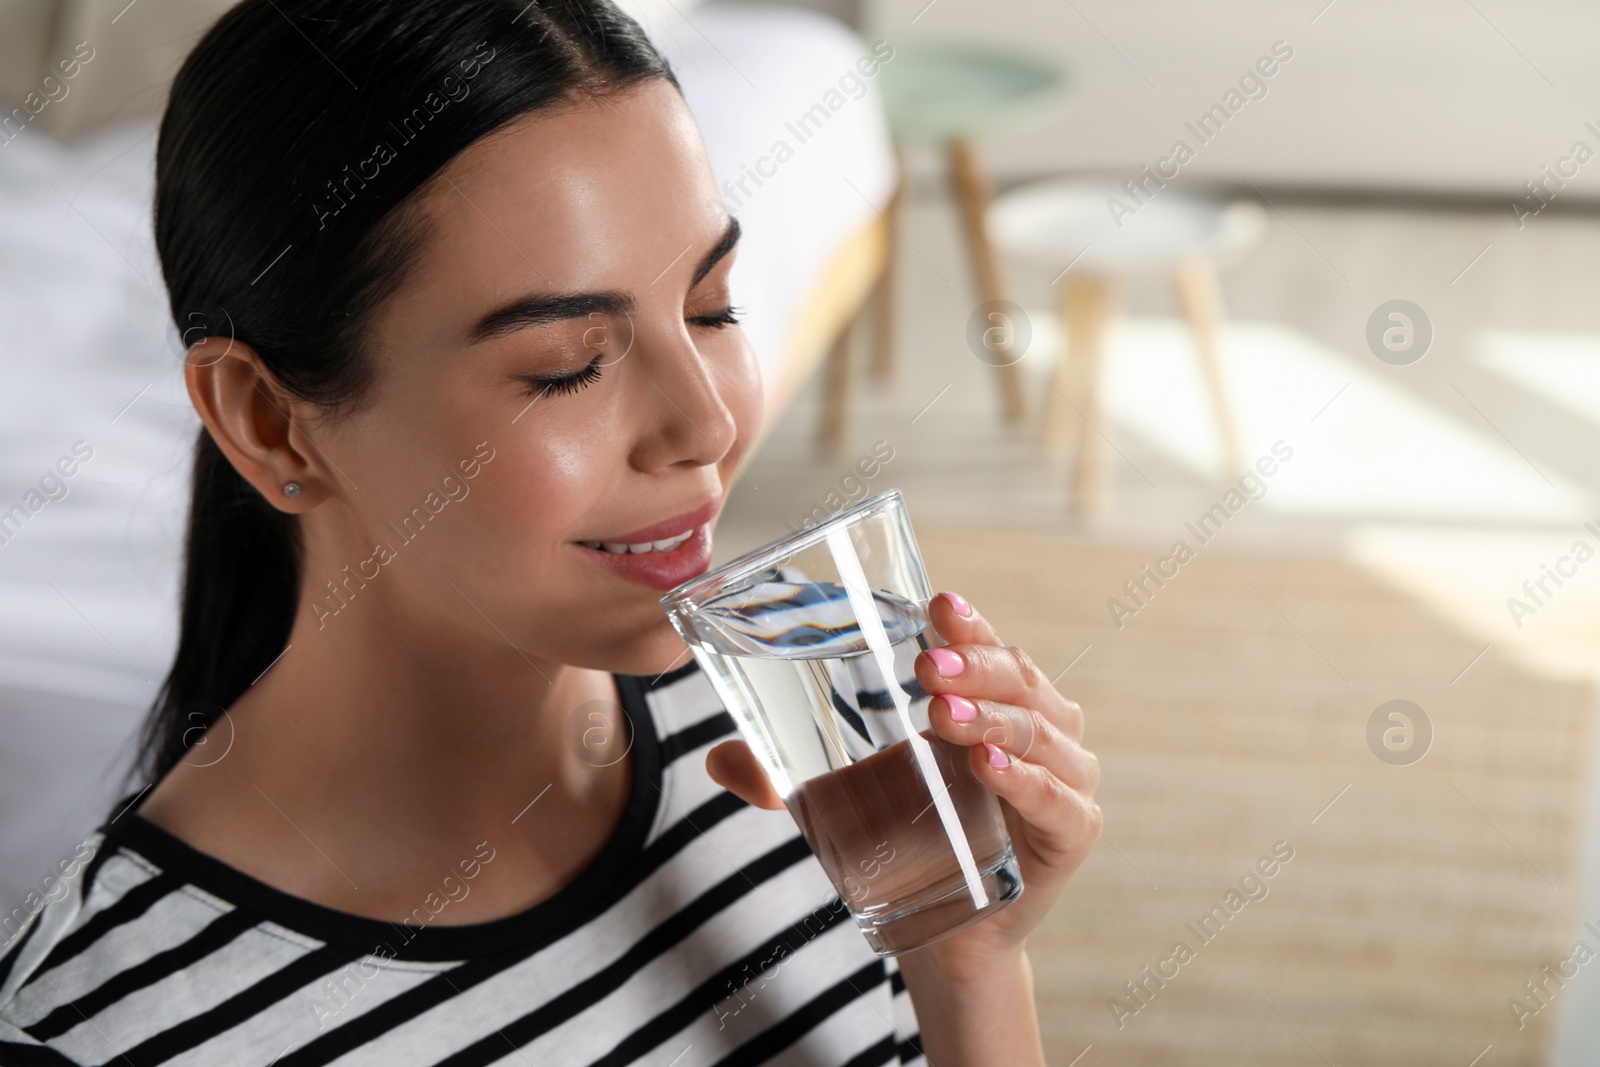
x,y
1076,227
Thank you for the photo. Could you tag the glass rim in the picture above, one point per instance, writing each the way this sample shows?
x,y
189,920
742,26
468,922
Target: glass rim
x,y
757,559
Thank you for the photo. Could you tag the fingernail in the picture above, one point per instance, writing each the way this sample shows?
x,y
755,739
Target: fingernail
x,y
947,663
958,602
997,757
961,709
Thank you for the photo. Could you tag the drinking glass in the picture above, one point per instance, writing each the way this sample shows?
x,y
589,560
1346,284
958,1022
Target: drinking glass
x,y
810,644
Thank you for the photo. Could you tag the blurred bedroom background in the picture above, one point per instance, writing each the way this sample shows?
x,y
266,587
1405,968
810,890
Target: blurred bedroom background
x,y
1240,360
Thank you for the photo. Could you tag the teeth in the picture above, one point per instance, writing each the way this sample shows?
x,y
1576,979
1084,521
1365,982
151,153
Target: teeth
x,y
617,548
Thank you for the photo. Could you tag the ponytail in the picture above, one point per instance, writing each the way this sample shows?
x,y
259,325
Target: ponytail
x,y
241,584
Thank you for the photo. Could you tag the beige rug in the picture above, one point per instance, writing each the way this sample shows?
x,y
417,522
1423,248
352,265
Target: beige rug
x,y
1231,713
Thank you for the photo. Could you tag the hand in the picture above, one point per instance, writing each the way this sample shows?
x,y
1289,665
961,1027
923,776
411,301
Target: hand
x,y
1024,742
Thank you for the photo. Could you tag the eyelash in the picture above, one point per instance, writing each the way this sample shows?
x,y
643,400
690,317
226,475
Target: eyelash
x,y
728,316
572,383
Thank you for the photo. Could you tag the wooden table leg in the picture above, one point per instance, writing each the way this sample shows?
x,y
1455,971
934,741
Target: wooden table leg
x,y
972,185
1074,423
835,394
886,295
1200,295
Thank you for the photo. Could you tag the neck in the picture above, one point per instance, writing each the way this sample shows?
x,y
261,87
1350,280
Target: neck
x,y
448,721
391,751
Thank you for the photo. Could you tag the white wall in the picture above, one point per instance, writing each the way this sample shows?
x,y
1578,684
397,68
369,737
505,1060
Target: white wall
x,y
1417,94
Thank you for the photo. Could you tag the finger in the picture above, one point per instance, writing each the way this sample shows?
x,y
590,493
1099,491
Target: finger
x,y
1061,714
1068,717
1021,733
1062,824
998,672
972,721
733,767
959,622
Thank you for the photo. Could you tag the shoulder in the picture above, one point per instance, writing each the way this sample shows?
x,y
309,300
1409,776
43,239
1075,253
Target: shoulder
x,y
41,923
56,946
133,955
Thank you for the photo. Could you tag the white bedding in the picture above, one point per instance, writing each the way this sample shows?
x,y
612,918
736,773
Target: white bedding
x,y
89,584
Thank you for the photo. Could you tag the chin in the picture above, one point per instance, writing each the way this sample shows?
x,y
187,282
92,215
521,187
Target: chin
x,y
652,652
666,652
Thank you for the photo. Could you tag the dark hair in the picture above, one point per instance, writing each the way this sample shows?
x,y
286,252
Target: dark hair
x,y
294,146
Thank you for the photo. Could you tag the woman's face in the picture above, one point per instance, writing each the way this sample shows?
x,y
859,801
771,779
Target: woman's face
x,y
557,372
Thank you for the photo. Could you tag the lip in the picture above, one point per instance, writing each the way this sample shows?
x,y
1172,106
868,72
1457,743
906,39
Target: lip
x,y
660,571
667,527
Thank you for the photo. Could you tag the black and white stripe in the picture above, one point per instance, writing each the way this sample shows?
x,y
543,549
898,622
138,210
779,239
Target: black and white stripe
x,y
704,934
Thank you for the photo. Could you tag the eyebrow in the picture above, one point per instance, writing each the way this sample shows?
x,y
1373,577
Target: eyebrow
x,y
730,237
543,310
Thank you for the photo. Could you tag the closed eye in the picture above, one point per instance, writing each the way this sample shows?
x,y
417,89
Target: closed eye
x,y
728,316
566,383
541,385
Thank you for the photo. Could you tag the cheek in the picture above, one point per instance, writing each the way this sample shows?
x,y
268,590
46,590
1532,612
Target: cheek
x,y
743,391
547,471
552,478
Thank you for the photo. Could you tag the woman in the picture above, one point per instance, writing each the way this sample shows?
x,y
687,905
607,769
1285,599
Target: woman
x,y
454,292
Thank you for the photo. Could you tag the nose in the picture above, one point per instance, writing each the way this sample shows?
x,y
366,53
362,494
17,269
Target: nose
x,y
687,421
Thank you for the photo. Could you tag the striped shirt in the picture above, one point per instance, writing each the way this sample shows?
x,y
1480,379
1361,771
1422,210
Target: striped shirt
x,y
704,933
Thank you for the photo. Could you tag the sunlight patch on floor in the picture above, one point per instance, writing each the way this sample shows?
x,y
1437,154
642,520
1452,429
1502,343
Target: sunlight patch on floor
x,y
1488,583
1363,445
1561,368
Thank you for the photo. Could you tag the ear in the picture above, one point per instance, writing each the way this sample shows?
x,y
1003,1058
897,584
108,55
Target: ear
x,y
257,423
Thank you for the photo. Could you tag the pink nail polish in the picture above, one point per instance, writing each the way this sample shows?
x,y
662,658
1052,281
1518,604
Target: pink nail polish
x,y
961,709
947,663
958,602
997,757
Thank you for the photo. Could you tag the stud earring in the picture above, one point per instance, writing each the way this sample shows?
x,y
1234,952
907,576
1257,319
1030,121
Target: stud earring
x,y
291,489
